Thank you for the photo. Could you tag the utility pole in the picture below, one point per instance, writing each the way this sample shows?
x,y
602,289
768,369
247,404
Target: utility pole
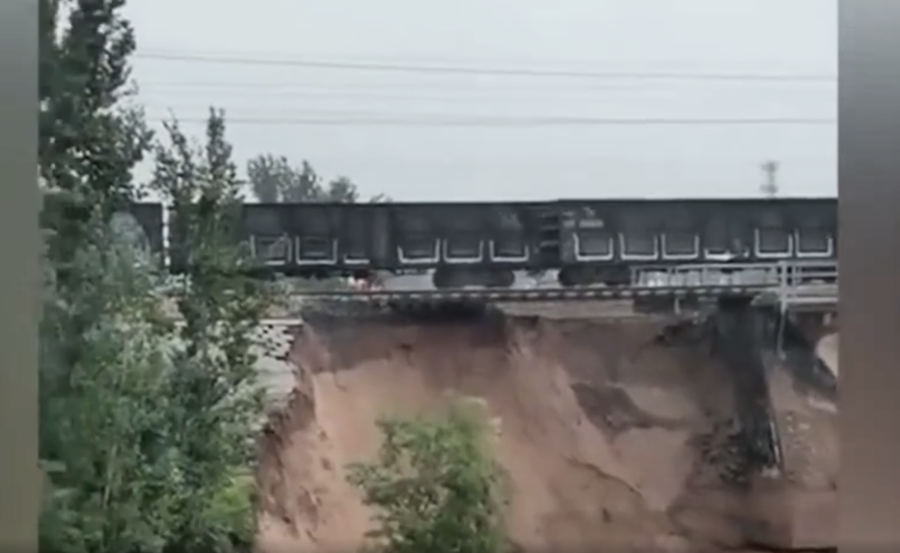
x,y
769,187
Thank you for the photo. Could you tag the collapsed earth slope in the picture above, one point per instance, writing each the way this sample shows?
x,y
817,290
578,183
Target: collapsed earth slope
x,y
797,507
614,433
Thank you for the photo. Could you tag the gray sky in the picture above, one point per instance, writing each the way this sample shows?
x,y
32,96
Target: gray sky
x,y
487,162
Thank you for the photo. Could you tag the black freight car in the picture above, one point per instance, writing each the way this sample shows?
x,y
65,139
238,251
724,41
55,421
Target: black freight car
x,y
588,241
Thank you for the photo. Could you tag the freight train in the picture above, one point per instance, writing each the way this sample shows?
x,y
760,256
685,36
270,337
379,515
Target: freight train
x,y
586,242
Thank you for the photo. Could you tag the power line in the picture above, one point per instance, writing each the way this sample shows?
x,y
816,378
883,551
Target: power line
x,y
262,90
263,93
461,70
385,87
447,88
511,122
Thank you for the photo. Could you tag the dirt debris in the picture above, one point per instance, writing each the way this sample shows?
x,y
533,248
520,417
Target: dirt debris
x,y
611,438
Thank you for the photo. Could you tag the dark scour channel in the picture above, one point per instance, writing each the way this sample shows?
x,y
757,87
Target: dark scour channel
x,y
739,342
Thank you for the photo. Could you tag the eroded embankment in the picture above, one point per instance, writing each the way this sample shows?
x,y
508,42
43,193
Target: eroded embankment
x,y
611,437
797,506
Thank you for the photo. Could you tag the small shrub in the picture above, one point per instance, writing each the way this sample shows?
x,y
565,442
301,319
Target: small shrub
x,y
434,485
231,509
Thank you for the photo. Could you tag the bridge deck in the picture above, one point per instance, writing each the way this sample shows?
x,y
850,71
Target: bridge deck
x,y
794,286
812,297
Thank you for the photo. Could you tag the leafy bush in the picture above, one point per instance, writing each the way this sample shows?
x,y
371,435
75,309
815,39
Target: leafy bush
x,y
434,485
104,412
145,425
232,508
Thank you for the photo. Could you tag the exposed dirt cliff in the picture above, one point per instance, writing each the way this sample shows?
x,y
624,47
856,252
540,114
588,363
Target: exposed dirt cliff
x,y
613,437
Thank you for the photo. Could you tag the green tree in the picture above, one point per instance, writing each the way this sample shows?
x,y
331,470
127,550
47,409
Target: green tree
x,y
147,432
342,190
379,199
143,431
89,142
90,137
435,486
268,176
214,387
105,418
274,179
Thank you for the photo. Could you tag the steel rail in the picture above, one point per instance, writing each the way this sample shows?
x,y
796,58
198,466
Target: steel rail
x,y
535,294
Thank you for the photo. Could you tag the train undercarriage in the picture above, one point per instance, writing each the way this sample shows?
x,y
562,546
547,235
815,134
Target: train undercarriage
x,y
458,290
451,277
455,277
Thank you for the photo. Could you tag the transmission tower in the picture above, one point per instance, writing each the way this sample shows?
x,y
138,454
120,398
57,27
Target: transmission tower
x,y
769,187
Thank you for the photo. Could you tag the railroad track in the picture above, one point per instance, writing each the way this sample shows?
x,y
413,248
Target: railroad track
x,y
491,295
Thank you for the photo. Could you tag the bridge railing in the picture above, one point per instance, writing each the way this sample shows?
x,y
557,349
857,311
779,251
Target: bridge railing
x,y
811,284
784,275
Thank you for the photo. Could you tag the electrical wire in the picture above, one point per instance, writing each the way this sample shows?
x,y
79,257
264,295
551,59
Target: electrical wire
x,y
470,70
326,118
366,87
514,122
414,94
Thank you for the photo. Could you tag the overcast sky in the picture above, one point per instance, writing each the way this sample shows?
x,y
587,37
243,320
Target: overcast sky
x,y
507,149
